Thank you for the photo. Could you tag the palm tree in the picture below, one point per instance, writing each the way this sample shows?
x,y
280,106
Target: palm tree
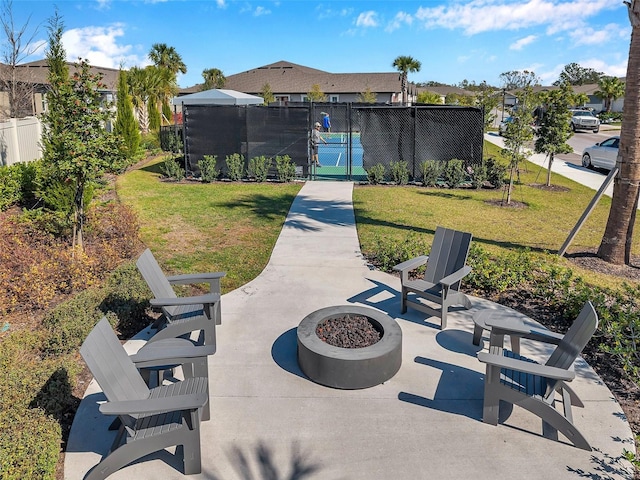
x,y
164,56
610,89
615,246
213,78
144,87
405,65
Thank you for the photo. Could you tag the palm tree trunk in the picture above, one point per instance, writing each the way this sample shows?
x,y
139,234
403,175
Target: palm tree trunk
x,y
616,242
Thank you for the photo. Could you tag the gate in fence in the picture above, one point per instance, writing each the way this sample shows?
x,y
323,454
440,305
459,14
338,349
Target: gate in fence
x,y
361,136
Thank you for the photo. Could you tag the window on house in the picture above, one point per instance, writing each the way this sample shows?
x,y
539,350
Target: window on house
x,y
334,98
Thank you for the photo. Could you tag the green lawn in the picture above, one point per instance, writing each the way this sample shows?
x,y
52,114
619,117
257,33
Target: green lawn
x,y
233,226
198,227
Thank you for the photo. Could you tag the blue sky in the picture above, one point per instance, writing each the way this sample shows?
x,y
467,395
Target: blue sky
x,y
453,39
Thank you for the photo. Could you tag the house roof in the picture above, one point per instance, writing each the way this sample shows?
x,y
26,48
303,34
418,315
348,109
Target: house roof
x,y
444,90
287,77
38,72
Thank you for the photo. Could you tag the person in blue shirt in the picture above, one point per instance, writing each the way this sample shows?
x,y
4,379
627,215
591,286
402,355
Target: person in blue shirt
x,y
326,122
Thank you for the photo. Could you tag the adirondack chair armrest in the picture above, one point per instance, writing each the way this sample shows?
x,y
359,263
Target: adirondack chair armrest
x,y
155,405
190,278
207,299
455,276
507,326
526,367
170,355
411,264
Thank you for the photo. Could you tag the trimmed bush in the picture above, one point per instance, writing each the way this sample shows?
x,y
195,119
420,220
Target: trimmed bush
x,y
430,172
286,168
172,169
453,173
235,167
399,172
259,168
208,170
375,174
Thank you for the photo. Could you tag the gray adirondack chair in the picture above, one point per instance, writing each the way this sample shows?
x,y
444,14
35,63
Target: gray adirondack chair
x,y
446,267
182,315
520,381
150,419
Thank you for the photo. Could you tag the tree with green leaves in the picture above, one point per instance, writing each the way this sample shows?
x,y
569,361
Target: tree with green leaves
x,y
575,74
267,94
213,78
615,246
555,127
405,65
488,100
429,97
454,98
367,96
126,126
519,79
518,135
316,94
167,57
168,63
76,147
610,89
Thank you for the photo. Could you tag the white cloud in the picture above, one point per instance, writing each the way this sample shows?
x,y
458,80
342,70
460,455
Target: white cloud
x,y
99,46
614,70
367,19
523,42
259,11
479,16
221,3
591,36
401,18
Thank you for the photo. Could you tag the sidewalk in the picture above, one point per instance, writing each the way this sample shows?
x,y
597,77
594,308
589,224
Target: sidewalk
x,y
268,421
589,178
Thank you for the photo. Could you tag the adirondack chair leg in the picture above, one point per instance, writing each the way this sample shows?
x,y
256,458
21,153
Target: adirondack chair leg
x,y
128,453
403,300
491,406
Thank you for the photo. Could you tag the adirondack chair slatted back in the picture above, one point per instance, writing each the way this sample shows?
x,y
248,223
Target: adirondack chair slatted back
x,y
111,366
449,252
575,339
155,278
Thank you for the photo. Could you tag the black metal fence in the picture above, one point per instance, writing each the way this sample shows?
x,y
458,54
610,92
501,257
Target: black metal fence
x,y
363,135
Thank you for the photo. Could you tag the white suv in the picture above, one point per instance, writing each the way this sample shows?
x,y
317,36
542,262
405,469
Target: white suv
x,y
584,120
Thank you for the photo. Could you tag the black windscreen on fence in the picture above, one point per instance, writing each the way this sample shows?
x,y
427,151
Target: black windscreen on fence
x,y
361,135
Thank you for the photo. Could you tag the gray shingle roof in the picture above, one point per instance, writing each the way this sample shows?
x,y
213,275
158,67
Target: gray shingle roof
x,y
287,77
38,72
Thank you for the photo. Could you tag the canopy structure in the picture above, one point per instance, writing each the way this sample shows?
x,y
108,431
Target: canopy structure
x,y
217,96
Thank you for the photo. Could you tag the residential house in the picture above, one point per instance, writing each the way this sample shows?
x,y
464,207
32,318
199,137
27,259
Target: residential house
x,y
291,82
33,78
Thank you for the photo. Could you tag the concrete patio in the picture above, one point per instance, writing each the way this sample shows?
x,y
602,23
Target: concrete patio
x,y
269,422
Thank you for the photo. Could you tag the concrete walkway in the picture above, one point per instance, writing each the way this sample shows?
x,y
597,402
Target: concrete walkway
x,y
269,422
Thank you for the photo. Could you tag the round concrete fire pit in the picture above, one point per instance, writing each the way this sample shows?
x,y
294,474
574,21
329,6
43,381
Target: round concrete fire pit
x,y
349,368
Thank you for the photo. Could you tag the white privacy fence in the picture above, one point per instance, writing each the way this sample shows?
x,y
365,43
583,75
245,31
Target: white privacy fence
x,y
20,140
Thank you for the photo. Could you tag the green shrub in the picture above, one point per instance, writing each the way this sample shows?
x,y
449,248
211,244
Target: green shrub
x,y
235,167
453,173
151,143
495,172
479,174
389,253
172,169
430,171
259,168
375,174
399,172
208,170
286,168
10,186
